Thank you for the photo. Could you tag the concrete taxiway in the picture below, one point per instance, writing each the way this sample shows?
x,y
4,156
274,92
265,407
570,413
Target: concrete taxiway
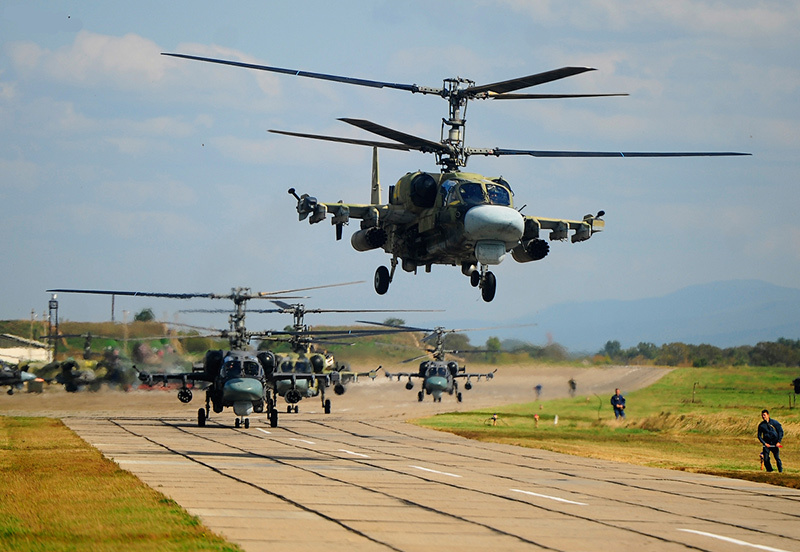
x,y
363,479
336,483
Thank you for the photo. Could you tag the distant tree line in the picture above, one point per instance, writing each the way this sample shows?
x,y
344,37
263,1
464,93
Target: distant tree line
x,y
783,352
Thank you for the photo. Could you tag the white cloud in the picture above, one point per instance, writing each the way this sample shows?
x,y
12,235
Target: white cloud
x,y
128,61
737,19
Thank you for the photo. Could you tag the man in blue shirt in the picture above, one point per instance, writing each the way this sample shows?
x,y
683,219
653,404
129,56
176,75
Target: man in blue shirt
x,y
770,433
618,402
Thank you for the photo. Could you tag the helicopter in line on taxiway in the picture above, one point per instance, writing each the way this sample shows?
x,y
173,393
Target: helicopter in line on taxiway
x,y
241,377
451,217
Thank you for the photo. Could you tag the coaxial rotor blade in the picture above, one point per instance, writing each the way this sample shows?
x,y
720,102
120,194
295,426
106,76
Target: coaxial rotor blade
x,y
267,294
549,96
136,293
546,153
414,142
336,78
371,143
524,82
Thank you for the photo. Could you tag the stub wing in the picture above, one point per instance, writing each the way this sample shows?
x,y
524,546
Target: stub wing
x,y
350,376
560,228
399,375
469,376
374,213
151,378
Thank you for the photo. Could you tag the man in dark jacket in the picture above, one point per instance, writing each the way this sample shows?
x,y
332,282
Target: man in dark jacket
x,y
770,433
618,402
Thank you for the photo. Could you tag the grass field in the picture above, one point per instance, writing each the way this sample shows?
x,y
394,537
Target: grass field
x,y
59,493
694,419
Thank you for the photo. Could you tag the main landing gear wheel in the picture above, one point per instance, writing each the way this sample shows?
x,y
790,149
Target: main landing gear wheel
x,y
201,417
382,280
488,287
475,278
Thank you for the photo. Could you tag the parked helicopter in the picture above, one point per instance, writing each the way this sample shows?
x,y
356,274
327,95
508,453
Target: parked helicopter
x,y
240,377
451,217
439,375
14,378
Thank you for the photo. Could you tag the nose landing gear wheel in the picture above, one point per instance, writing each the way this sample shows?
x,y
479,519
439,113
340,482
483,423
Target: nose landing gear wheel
x,y
382,280
488,287
327,406
201,417
475,278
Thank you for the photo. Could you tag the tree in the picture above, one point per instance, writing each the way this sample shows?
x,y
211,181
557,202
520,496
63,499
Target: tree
x,y
394,322
145,315
493,347
612,349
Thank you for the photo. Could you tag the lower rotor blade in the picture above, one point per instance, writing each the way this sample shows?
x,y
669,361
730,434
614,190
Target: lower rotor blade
x,y
371,143
545,153
414,142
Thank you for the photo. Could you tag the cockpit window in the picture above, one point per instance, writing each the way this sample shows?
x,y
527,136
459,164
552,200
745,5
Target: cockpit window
x,y
232,369
302,367
471,193
498,195
251,368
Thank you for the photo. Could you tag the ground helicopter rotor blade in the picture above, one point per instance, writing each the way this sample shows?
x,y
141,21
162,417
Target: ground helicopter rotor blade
x,y
323,76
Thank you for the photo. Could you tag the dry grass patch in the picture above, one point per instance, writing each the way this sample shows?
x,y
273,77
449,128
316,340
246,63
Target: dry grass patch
x,y
62,494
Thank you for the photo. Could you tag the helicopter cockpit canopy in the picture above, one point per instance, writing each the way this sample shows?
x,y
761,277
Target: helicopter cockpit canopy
x,y
437,370
237,368
476,192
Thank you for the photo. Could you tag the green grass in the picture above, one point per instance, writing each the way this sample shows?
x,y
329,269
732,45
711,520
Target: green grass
x,y
712,430
59,493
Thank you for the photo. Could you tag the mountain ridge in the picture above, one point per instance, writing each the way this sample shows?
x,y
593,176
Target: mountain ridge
x,y
724,314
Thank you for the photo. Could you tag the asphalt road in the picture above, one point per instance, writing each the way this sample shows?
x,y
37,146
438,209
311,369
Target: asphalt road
x,y
362,479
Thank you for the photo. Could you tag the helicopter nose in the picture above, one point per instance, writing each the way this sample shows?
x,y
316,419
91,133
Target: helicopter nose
x,y
436,383
242,389
493,222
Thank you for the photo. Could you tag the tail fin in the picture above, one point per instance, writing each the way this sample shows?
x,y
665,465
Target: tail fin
x,y
375,197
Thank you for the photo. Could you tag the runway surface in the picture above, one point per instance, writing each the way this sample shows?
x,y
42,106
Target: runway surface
x,y
333,483
363,479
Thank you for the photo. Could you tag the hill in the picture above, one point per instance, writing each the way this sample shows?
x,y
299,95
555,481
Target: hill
x,y
723,314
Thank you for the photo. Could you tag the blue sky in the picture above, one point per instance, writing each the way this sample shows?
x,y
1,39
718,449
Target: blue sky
x,y
124,169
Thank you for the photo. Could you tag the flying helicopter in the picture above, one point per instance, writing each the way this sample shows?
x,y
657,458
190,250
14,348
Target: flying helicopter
x,y
449,217
235,378
439,375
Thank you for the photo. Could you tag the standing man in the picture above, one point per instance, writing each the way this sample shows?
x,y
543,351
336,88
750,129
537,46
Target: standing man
x,y
770,433
618,402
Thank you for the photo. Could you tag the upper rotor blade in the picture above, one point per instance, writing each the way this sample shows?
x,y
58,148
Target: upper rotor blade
x,y
545,153
268,294
414,142
322,76
370,143
525,82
